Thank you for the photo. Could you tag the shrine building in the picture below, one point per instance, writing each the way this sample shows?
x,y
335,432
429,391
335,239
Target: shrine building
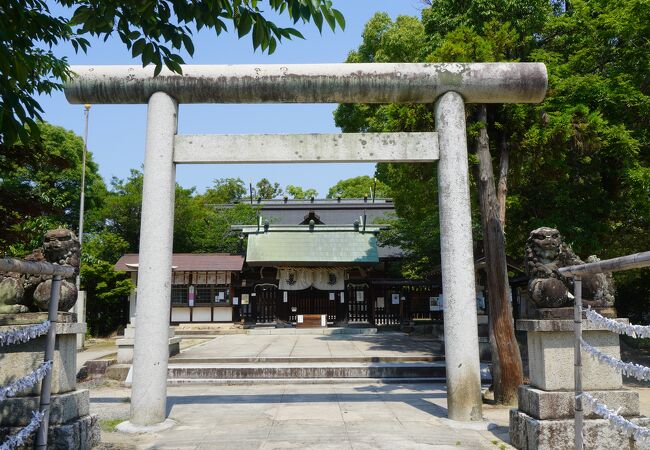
x,y
304,257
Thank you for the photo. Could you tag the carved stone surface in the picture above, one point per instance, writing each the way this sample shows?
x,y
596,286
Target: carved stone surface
x,y
546,252
82,433
22,293
554,405
528,433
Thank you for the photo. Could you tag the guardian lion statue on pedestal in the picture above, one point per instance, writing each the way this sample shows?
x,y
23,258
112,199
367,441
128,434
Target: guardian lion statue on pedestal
x,y
22,292
546,252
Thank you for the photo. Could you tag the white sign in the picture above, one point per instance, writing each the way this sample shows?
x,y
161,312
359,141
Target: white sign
x,y
359,296
434,304
394,299
285,296
380,302
332,296
253,294
244,299
221,296
235,300
342,296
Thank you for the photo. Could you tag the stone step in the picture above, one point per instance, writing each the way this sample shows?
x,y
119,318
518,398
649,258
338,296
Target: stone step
x,y
292,381
349,331
306,359
209,333
307,370
310,373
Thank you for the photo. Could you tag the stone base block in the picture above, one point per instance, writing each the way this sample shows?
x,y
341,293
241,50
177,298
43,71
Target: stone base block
x,y
125,349
82,433
550,355
528,433
545,405
20,359
17,411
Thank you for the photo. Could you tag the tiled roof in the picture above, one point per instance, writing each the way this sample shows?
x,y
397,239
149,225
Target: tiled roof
x,y
189,262
333,247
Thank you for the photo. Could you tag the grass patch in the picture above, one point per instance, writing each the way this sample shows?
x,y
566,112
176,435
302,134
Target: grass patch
x,y
109,425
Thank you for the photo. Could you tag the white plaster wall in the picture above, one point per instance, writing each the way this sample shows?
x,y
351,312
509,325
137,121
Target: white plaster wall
x,y
181,314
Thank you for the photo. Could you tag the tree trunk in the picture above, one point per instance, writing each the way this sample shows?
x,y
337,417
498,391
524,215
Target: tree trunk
x,y
506,361
502,187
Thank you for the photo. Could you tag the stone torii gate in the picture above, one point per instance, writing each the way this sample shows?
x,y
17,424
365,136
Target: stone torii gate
x,y
450,86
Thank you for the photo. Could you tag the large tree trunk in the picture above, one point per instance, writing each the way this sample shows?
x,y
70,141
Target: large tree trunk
x,y
502,187
506,361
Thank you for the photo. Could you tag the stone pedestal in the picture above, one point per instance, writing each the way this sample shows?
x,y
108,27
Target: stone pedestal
x,y
545,416
71,425
125,344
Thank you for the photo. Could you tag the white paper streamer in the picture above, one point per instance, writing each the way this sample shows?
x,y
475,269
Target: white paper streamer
x,y
640,434
635,331
629,369
26,382
19,335
18,439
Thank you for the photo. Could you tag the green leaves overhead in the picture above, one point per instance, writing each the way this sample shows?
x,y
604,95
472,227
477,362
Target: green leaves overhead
x,y
579,161
155,31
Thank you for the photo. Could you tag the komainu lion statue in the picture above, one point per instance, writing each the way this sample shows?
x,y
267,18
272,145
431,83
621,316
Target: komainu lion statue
x,y
546,252
22,292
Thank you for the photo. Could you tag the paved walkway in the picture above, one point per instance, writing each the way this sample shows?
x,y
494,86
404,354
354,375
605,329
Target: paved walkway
x,y
95,351
362,416
312,346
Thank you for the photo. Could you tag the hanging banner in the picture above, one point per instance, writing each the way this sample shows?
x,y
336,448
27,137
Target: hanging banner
x,y
190,296
329,280
294,279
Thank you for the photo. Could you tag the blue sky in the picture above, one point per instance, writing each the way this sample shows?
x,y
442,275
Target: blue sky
x,y
116,132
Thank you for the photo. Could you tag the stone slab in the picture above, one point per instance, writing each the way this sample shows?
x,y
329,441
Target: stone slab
x,y
125,349
567,313
551,360
81,434
546,405
37,317
558,325
18,360
17,411
528,433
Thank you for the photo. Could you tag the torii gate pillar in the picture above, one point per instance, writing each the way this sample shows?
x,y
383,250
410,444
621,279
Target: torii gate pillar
x,y
457,261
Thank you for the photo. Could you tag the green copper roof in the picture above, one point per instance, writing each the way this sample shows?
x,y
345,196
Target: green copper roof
x,y
313,248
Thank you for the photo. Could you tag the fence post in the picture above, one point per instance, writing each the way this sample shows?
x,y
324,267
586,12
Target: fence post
x,y
46,385
577,326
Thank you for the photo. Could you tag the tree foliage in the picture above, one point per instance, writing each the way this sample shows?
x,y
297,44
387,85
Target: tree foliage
x,y
107,290
359,187
155,32
296,192
266,190
225,190
40,189
580,160
198,225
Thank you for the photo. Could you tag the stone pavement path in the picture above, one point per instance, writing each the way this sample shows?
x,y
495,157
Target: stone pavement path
x,y
340,416
314,346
